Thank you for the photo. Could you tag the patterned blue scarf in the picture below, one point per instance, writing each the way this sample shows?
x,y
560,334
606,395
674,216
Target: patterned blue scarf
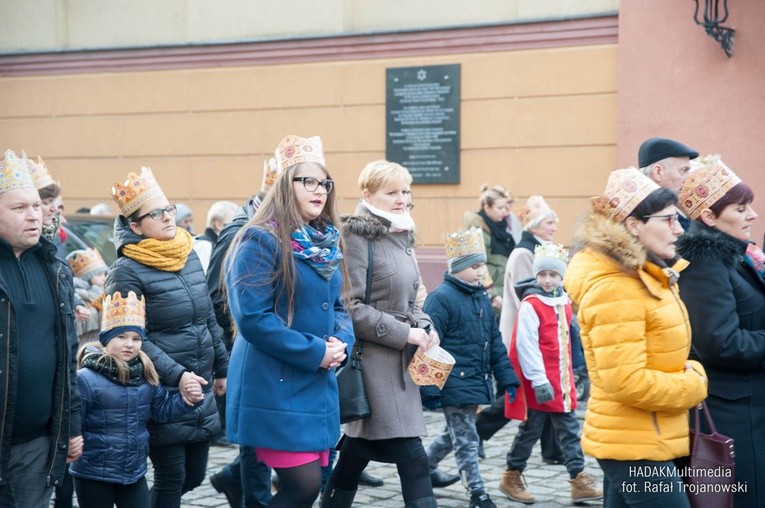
x,y
318,248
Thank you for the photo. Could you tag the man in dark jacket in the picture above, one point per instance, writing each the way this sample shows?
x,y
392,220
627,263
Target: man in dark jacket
x,y
39,402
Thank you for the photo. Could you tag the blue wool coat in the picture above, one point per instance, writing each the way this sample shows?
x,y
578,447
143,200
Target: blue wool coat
x,y
114,420
464,319
278,396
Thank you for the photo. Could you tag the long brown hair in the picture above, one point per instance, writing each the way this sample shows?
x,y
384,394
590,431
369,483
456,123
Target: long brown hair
x,y
279,213
123,371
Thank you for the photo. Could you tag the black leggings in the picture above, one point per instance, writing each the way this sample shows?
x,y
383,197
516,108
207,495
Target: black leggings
x,y
299,486
414,472
97,494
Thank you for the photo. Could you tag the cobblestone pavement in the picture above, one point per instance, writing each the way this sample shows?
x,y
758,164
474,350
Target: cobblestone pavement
x,y
548,483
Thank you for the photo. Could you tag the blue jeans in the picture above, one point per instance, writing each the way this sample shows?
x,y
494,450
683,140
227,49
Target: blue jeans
x,y
27,485
251,476
641,484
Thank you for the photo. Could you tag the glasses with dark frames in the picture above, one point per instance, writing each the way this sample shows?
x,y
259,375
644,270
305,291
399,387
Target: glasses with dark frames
x,y
159,213
671,218
311,184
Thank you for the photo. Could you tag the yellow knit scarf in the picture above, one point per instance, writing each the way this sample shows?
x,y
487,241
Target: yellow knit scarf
x,y
165,255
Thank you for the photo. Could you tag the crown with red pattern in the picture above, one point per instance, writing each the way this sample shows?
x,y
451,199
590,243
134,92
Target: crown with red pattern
x,y
119,311
704,186
137,190
86,263
14,173
535,207
294,150
625,189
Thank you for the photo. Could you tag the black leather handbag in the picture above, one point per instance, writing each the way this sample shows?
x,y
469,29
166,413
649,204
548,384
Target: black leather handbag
x,y
354,404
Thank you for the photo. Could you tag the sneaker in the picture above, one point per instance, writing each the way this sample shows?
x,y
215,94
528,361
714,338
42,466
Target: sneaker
x,y
481,499
513,486
224,486
584,488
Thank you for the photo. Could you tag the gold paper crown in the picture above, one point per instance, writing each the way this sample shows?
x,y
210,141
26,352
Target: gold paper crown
x,y
136,191
534,207
86,263
432,367
625,189
551,250
40,173
294,150
270,172
464,242
14,173
705,186
120,311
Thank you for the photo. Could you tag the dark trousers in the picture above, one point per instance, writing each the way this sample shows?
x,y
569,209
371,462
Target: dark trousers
x,y
97,494
641,484
64,491
251,476
27,476
566,426
492,418
177,470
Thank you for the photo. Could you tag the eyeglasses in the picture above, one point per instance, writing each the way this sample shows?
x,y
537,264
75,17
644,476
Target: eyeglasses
x,y
671,218
311,184
159,213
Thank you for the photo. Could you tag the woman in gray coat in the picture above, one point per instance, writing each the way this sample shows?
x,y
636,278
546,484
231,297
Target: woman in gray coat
x,y
389,327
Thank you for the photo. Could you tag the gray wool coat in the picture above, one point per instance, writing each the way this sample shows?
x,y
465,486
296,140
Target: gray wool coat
x,y
382,325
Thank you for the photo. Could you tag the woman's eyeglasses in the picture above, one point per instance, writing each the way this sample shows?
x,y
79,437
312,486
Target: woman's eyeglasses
x,y
311,184
159,213
671,218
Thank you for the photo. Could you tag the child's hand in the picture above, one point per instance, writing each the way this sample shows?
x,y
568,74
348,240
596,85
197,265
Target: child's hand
x,y
512,392
194,392
334,354
544,393
187,381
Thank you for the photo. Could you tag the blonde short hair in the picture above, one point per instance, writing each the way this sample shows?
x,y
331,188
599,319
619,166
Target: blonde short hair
x,y
378,174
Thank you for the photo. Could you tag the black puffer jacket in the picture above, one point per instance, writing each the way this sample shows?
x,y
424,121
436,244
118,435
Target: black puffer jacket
x,y
183,335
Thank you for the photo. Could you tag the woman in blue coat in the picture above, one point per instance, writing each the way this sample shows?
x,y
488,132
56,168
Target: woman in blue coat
x,y
120,392
285,292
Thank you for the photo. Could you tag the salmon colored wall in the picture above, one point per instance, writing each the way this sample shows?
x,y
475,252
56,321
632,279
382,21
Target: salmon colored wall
x,y
537,121
676,81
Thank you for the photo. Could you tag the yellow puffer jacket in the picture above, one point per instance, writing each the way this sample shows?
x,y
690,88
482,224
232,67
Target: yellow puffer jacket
x,y
636,338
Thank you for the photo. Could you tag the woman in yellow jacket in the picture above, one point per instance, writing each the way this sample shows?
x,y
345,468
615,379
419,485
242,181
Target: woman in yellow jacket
x,y
637,338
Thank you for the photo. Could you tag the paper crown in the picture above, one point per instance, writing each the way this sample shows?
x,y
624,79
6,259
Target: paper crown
x,y
136,191
270,172
705,186
120,311
40,174
14,173
625,189
294,150
431,367
534,208
86,263
464,242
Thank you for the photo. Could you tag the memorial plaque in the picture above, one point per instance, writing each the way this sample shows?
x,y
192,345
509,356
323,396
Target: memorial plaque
x,y
422,113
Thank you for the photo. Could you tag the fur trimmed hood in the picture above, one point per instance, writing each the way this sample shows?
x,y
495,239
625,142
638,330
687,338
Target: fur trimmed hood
x,y
612,239
704,242
367,225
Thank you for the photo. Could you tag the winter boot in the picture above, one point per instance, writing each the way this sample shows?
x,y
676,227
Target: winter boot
x,y
481,499
423,502
584,488
513,486
333,497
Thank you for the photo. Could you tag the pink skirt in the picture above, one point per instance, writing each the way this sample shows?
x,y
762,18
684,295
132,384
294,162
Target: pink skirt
x,y
282,459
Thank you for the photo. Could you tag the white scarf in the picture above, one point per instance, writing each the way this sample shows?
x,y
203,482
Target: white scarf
x,y
398,221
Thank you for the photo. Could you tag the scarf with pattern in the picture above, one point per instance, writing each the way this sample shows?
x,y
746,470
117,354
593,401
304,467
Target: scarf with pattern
x,y
165,255
98,360
319,249
755,257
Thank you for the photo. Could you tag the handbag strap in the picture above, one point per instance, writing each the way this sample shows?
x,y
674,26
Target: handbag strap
x,y
367,292
707,414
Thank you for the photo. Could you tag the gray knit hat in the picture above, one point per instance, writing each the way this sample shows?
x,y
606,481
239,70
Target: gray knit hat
x,y
550,256
464,248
